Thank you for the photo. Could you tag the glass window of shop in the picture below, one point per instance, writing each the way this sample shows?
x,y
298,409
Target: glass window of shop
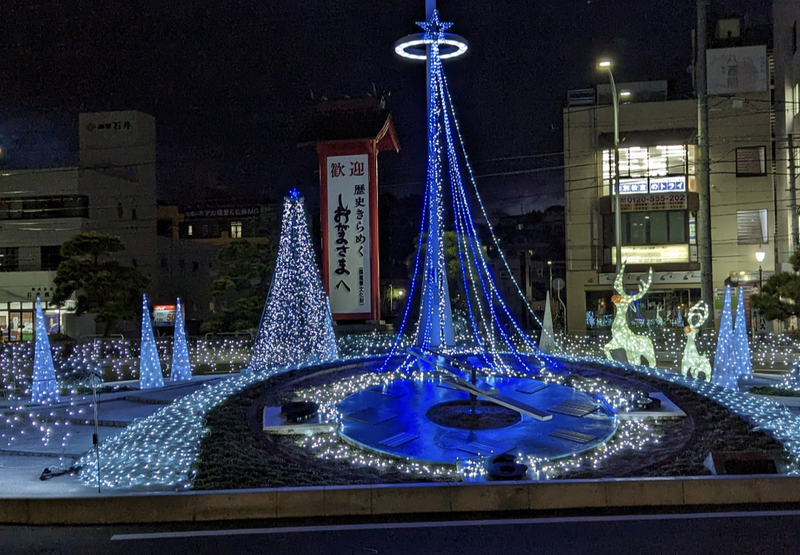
x,y
652,161
657,310
17,320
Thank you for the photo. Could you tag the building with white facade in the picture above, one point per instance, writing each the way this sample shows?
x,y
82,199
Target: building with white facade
x,y
752,109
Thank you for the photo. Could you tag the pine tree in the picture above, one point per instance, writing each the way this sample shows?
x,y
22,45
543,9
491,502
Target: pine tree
x,y
45,388
181,366
744,366
149,363
725,373
296,326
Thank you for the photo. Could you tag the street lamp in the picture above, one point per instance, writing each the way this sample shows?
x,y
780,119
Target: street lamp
x,y
606,64
550,266
760,256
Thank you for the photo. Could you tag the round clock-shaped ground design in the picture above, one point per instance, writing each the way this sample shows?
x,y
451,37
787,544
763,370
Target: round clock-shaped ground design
x,y
430,421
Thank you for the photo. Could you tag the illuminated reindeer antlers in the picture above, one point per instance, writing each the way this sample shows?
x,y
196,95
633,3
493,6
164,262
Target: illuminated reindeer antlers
x,y
697,315
643,287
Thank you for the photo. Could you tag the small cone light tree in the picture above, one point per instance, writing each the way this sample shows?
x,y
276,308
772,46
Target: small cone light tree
x,y
744,366
547,342
149,363
296,326
181,366
725,373
44,389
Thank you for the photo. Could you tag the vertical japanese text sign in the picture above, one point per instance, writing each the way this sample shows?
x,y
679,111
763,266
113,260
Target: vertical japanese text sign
x,y
349,248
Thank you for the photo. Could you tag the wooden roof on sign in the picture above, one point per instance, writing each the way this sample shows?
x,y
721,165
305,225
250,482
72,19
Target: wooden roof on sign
x,y
350,120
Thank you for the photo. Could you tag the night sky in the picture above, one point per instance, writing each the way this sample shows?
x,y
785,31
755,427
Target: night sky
x,y
229,81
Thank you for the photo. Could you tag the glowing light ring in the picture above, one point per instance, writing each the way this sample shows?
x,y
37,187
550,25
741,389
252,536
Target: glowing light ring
x,y
414,47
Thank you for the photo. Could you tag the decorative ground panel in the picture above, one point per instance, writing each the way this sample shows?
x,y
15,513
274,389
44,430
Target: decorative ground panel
x,y
363,422
388,391
531,387
574,408
572,435
371,415
486,447
397,440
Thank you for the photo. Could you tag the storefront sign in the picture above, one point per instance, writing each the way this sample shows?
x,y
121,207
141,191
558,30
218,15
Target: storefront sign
x,y
648,203
652,254
164,315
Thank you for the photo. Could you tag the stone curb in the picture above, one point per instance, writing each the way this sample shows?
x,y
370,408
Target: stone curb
x,y
405,499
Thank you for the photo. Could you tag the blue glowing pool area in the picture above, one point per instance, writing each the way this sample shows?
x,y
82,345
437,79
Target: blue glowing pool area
x,y
397,419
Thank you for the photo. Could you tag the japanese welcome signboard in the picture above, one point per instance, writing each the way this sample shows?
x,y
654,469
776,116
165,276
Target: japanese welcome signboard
x,y
349,253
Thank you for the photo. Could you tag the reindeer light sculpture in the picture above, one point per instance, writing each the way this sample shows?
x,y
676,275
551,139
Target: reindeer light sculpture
x,y
635,346
693,362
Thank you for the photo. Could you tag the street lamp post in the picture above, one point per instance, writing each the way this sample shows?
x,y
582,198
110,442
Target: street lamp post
x,y
550,266
605,64
760,256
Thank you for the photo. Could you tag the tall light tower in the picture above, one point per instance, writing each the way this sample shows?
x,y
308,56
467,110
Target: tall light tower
x,y
435,328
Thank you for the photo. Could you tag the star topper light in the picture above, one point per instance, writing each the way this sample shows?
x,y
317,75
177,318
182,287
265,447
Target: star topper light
x,y
414,46
434,28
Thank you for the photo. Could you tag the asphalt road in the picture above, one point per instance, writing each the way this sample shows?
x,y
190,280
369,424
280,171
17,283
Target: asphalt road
x,y
768,532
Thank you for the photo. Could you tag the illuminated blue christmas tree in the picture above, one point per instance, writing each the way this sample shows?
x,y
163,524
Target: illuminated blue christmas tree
x,y
181,366
296,325
744,366
547,342
149,363
725,372
492,329
44,388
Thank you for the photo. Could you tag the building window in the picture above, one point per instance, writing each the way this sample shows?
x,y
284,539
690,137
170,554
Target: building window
x,y
37,208
9,259
164,262
794,37
646,163
195,265
649,228
236,230
796,98
51,257
189,230
751,161
133,214
751,227
181,264
120,210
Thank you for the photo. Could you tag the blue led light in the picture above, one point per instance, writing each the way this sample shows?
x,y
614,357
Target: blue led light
x,y
725,372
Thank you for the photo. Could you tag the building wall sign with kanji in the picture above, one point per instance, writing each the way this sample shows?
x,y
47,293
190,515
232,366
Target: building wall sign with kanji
x,y
348,231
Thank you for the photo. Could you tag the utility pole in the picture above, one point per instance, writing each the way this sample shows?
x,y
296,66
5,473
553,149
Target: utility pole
x,y
793,196
703,164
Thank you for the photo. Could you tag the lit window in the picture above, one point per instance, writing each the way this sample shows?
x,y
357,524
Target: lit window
x,y
751,161
189,230
236,230
796,99
751,227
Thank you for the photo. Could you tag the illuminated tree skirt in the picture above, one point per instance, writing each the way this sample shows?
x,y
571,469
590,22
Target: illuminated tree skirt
x,y
385,415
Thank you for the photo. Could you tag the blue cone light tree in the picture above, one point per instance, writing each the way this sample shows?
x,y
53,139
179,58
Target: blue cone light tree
x,y
181,366
149,363
296,326
44,388
744,366
547,342
725,372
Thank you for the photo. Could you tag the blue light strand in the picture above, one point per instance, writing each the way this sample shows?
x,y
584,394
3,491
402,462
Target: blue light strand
x,y
485,213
